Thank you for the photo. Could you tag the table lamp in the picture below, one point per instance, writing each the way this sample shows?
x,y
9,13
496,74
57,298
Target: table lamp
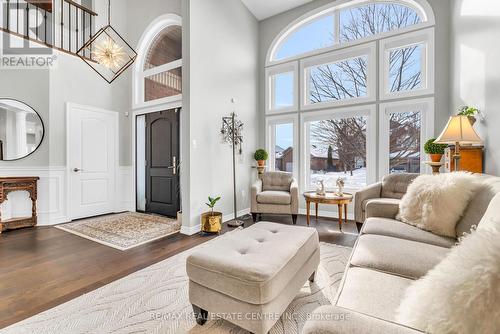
x,y
458,131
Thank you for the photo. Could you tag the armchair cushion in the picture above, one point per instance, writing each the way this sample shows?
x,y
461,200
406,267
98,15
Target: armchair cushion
x,y
274,197
381,207
278,181
360,198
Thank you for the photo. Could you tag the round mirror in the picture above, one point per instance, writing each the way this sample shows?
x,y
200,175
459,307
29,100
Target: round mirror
x,y
21,130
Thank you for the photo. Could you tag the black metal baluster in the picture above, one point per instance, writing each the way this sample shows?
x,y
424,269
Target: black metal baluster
x,y
76,31
8,15
83,32
45,26
61,43
17,13
90,37
27,19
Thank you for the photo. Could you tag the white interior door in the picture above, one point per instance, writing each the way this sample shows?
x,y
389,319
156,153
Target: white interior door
x,y
92,160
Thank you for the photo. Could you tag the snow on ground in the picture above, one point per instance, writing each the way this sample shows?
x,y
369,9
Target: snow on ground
x,y
354,182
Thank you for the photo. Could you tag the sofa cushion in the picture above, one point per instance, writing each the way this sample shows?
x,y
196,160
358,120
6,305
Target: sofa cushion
x,y
462,293
395,185
396,256
395,228
491,219
382,207
279,181
371,292
490,187
274,197
344,321
254,264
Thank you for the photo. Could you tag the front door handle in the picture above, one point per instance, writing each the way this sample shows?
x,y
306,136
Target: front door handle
x,y
174,165
76,170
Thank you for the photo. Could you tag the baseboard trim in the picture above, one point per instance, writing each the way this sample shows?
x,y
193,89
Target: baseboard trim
x,y
230,216
190,230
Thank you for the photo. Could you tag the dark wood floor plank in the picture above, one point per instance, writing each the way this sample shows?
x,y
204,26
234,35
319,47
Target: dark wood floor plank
x,y
44,267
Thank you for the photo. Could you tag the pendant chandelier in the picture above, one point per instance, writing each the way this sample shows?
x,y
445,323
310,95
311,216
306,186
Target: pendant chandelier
x,y
107,52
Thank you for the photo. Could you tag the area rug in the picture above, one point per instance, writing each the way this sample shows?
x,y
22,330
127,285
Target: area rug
x,y
155,300
123,231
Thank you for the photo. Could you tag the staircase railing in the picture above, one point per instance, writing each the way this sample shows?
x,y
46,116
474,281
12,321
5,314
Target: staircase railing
x,y
64,25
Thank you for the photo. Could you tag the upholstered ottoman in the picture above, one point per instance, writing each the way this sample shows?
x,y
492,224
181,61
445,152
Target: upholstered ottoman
x,y
250,276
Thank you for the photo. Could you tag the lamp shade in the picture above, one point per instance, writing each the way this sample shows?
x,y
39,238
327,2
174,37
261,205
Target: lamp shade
x,y
458,130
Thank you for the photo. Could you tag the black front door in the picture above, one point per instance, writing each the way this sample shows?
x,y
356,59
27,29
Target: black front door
x,y
162,163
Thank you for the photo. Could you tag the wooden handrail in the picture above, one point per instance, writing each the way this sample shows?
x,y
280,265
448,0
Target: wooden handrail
x,y
85,9
43,4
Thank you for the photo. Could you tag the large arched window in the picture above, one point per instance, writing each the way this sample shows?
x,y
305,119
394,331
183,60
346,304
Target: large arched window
x,y
158,71
331,77
355,20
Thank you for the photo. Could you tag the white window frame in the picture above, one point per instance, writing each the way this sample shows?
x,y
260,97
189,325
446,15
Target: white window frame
x,y
426,39
368,50
139,74
369,111
422,7
270,87
271,123
427,128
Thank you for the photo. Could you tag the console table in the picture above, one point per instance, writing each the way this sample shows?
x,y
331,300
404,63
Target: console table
x,y
11,184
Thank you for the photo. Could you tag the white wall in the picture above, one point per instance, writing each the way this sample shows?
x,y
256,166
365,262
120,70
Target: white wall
x,y
48,91
221,63
475,70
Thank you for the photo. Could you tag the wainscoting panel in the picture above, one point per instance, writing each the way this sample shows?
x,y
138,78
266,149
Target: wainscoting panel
x,y
51,203
125,187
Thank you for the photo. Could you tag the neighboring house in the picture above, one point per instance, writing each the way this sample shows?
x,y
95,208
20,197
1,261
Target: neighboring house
x,y
405,162
284,159
319,160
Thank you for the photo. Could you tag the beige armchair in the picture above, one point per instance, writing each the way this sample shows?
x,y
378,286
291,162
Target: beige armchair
x,y
381,199
275,193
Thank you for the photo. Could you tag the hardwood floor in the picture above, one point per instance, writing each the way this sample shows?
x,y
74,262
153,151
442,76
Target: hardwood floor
x,y
44,267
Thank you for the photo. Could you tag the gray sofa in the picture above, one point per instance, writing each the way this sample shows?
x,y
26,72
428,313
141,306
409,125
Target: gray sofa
x,y
388,256
275,193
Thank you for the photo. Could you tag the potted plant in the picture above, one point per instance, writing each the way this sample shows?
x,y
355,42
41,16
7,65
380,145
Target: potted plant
x,y
435,151
261,156
211,221
470,112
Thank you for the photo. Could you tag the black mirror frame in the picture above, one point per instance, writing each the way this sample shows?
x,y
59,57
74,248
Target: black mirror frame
x,y
43,128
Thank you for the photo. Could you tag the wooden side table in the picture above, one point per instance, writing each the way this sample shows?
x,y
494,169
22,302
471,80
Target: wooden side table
x,y
331,199
11,184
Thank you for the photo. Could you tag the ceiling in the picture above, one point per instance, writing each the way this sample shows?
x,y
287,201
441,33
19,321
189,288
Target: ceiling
x,y
262,9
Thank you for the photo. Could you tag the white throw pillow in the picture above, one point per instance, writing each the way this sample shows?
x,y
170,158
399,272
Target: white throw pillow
x,y
436,203
462,293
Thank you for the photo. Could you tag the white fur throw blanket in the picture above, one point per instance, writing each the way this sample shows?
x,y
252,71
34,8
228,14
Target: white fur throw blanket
x,y
436,203
462,293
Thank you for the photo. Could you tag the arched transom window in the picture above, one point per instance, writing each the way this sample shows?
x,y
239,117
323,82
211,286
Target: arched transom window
x,y
159,71
332,78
